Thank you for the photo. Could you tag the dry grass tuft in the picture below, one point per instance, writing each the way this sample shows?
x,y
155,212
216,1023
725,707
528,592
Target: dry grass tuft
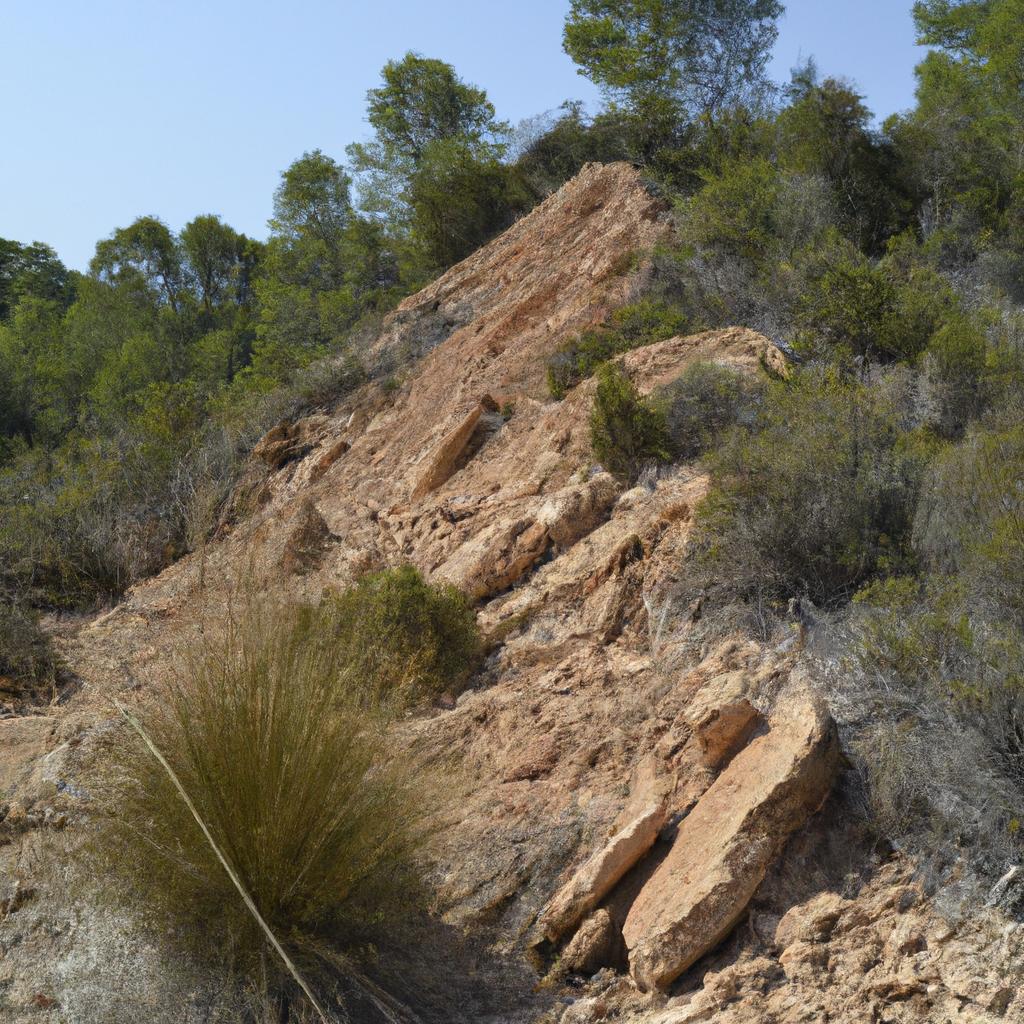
x,y
290,768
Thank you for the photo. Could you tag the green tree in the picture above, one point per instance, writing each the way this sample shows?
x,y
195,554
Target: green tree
x,y
434,169
826,130
963,145
147,251
32,270
305,267
667,60
212,250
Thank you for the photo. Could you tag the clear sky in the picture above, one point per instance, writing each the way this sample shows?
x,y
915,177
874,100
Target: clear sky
x,y
116,108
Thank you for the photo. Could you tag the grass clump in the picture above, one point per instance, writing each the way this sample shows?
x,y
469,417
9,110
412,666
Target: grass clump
x,y
402,637
291,769
627,430
634,326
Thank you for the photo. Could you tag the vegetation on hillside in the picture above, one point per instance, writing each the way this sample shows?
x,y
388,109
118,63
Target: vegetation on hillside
x,y
880,482
276,727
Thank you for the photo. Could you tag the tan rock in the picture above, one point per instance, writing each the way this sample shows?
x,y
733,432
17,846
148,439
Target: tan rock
x,y
594,946
442,460
497,558
723,731
585,1011
726,844
599,875
328,459
573,512
812,921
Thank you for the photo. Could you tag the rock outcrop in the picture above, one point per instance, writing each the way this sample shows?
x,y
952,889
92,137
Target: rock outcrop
x,y
614,782
727,843
600,874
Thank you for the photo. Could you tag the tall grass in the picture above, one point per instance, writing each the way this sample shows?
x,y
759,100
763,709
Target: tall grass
x,y
289,768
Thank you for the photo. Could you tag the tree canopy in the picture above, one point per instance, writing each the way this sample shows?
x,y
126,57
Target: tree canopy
x,y
695,56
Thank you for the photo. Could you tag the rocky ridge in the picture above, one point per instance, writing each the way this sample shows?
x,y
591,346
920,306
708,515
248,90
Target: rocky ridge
x,y
647,822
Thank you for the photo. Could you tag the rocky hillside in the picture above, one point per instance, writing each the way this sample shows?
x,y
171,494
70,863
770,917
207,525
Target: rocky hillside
x,y
653,826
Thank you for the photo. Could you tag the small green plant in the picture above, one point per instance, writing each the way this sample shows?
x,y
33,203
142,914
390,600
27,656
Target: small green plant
x,y
290,771
627,431
404,638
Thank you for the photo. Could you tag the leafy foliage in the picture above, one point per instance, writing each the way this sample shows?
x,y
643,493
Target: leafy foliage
x,y
434,169
814,497
432,642
667,59
627,431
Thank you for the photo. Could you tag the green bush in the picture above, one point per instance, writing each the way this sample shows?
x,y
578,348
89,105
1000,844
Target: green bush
x,y
954,376
627,431
404,638
634,326
292,771
815,497
881,311
702,402
28,664
742,235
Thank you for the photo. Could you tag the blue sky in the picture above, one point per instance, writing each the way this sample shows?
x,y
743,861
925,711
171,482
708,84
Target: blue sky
x,y
117,108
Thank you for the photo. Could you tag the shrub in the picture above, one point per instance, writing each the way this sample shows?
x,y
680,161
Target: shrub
x,y
812,499
402,637
941,742
702,402
953,378
634,326
970,522
941,734
882,311
28,664
291,770
742,235
627,431
81,523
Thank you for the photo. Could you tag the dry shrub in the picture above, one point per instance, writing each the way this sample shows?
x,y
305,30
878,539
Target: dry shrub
x,y
812,498
703,401
29,666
